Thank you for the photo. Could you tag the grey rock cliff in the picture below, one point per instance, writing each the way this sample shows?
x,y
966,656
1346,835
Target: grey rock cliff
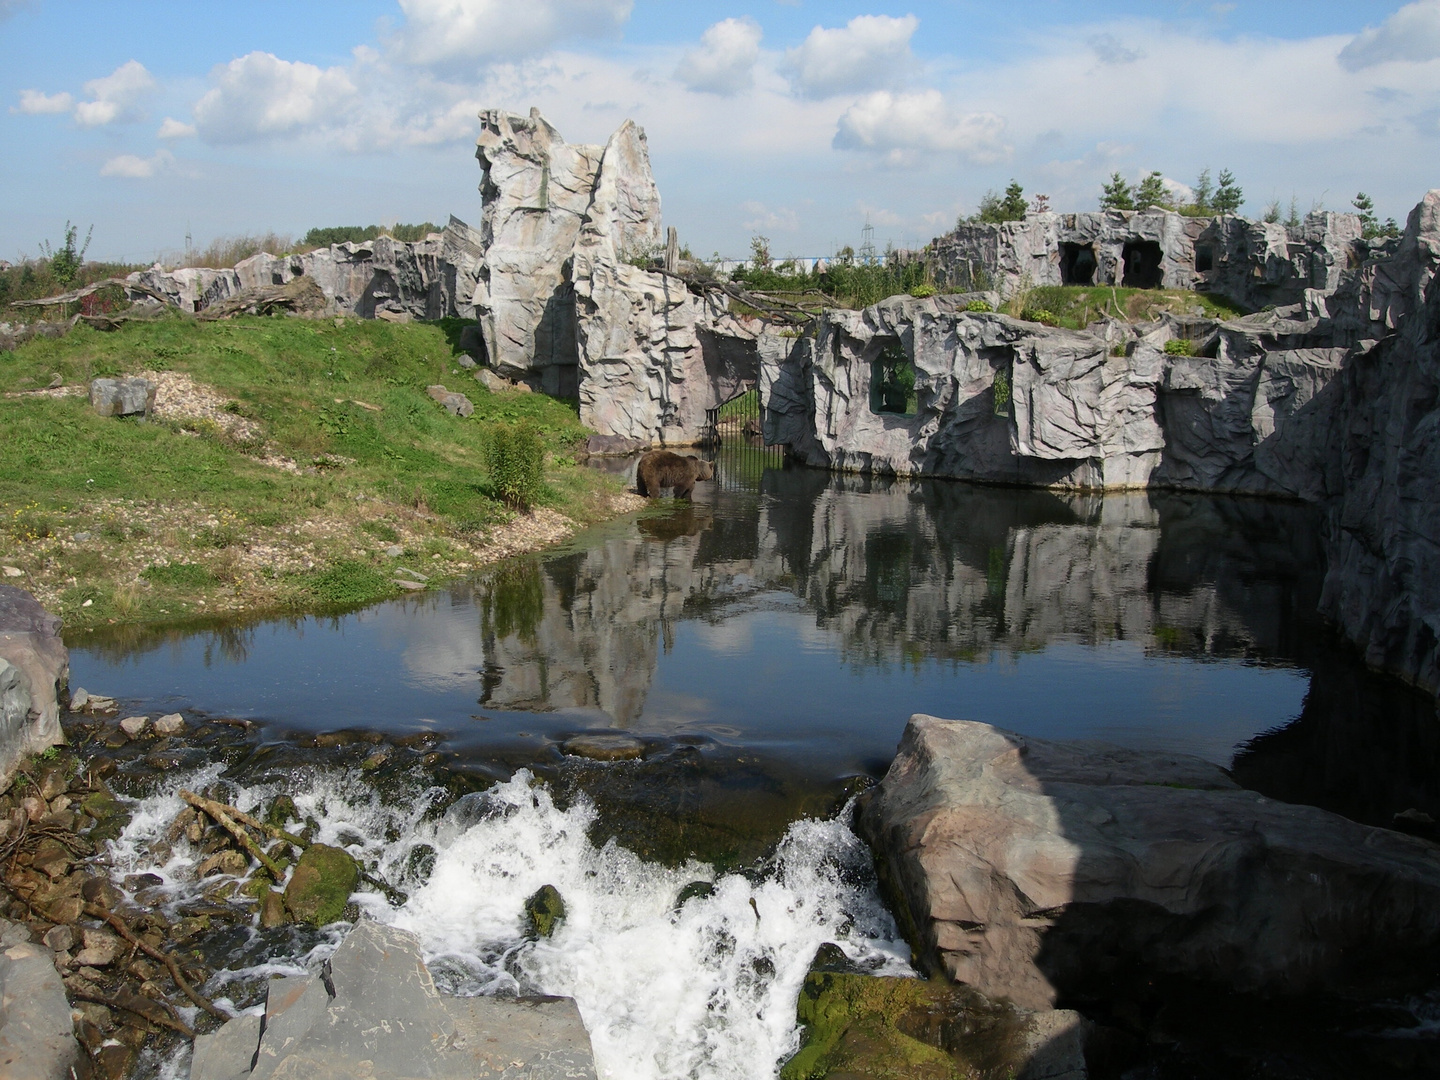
x,y
1028,869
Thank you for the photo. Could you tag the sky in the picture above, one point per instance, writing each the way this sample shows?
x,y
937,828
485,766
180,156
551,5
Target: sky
x,y
795,119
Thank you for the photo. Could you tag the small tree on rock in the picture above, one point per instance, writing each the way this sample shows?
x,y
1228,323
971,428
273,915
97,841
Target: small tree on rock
x,y
65,263
760,252
1116,194
1365,207
1014,206
1151,192
1228,195
1204,193
1040,204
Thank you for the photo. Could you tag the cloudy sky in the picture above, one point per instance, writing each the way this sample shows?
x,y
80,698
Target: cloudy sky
x,y
792,118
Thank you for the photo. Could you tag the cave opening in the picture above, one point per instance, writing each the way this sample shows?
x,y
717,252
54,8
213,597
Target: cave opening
x,y
1144,265
892,380
1077,264
1204,259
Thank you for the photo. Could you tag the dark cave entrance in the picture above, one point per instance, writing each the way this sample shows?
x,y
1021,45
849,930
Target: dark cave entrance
x,y
1144,265
1077,264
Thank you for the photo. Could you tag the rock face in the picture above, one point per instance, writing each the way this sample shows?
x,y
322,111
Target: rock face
x,y
1030,869
34,669
1252,263
428,279
377,1013
37,1036
122,397
538,191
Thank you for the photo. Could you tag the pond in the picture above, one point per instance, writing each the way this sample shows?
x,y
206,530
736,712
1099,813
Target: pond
x,y
760,650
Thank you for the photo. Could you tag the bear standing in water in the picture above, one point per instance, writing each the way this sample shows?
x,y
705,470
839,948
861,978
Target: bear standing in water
x,y
664,469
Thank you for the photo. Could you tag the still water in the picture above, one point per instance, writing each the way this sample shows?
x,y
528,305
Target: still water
x,y
805,616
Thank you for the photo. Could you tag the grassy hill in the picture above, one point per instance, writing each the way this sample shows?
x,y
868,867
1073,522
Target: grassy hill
x,y
287,461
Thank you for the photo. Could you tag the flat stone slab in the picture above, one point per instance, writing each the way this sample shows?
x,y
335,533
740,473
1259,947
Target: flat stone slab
x,y
374,1012
605,747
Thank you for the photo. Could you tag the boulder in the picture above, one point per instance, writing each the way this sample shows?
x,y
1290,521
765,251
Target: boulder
x,y
37,1036
320,887
544,911
374,1011
455,404
122,397
1028,869
34,670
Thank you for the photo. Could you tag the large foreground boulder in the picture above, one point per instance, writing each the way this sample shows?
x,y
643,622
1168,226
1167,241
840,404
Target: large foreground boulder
x,y
37,1037
1034,870
34,668
376,1013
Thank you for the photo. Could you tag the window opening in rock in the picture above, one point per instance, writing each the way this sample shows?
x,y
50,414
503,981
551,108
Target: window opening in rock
x,y
1144,265
1077,264
892,381
1204,260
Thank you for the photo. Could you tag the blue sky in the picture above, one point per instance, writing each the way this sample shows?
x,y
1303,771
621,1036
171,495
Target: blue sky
x,y
799,120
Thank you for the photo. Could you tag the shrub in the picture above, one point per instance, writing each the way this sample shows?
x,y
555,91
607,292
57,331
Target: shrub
x,y
66,262
1040,315
1180,347
348,583
515,459
358,234
922,291
978,306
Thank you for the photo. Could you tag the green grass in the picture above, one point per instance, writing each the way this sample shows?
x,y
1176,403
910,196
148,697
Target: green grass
x,y
1075,306
346,403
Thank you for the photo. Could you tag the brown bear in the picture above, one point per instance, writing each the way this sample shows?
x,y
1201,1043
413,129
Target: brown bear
x,y
664,469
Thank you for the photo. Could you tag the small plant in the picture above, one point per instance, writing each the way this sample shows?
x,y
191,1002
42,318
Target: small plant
x,y
1001,390
349,582
921,291
978,306
1040,315
1180,347
380,531
515,459
66,262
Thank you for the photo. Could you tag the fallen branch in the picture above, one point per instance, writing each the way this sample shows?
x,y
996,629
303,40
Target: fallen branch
x,y
98,912
225,815
156,1012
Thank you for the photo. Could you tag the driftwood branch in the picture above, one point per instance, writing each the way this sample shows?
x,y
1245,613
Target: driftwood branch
x,y
99,912
154,1011
223,815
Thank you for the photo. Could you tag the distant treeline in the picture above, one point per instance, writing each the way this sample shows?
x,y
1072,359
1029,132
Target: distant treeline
x,y
355,234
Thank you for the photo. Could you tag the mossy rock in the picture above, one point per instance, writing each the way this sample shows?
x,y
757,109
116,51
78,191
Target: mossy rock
x,y
321,885
110,814
280,811
544,910
886,1028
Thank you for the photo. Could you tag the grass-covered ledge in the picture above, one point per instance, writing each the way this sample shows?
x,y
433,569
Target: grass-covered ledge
x,y
291,465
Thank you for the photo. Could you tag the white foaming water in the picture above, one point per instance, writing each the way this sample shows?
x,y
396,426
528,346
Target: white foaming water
x,y
704,990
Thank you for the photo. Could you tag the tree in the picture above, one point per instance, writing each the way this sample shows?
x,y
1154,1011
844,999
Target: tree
x,y
1151,192
760,252
1116,195
1204,192
1292,218
1365,207
1228,195
65,264
1013,206
1272,212
1040,204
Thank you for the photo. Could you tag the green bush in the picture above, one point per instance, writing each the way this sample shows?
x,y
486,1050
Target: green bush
x,y
921,291
348,583
1180,347
515,459
358,234
979,306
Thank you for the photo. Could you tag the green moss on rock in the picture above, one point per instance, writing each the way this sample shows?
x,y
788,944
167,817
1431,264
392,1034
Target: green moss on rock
x,y
321,885
544,910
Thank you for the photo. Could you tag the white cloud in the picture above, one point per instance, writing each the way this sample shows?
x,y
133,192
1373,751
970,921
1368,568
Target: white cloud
x,y
725,61
902,125
116,97
1412,33
170,128
132,167
1109,49
467,33
259,96
34,103
761,218
868,52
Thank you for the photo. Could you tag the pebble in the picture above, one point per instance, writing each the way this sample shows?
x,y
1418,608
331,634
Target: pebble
x,y
134,725
13,571
81,537
394,551
170,724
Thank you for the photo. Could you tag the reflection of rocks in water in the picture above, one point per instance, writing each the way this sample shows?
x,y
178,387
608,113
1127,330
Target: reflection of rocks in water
x,y
1365,746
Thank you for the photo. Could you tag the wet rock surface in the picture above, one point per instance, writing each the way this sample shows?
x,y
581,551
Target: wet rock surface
x,y
34,670
1033,870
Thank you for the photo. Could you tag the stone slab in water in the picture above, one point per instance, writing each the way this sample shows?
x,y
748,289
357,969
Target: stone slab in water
x,y
1031,869
605,747
375,1012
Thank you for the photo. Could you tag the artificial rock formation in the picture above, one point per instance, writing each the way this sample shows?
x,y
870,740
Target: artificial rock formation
x,y
34,670
1030,869
1253,263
